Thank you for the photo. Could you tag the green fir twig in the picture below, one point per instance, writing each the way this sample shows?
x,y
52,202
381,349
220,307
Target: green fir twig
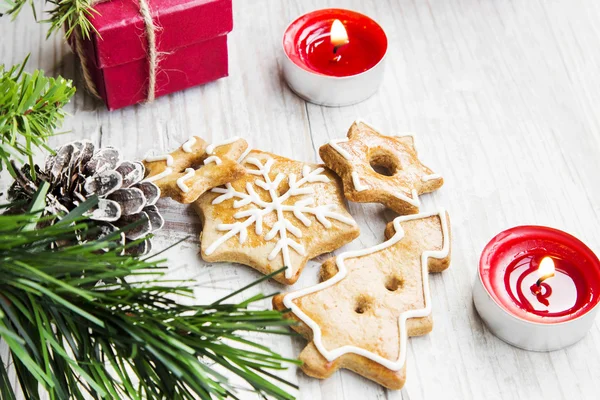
x,y
70,14
31,108
76,323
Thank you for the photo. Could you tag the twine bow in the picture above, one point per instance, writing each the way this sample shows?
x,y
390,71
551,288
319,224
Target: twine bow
x,y
152,52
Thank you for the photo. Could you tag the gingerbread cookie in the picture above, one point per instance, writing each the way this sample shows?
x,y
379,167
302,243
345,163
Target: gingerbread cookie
x,y
381,169
371,300
195,167
281,213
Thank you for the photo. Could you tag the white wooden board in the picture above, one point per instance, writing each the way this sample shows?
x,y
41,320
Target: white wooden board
x,y
504,98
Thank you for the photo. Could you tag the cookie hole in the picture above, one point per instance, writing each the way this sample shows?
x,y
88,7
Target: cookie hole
x,y
384,162
363,304
394,283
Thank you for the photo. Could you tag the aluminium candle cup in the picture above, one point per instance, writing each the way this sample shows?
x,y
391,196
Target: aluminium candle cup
x,y
523,333
323,89
332,91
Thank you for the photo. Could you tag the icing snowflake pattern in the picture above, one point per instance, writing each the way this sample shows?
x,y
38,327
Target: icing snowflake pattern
x,y
282,229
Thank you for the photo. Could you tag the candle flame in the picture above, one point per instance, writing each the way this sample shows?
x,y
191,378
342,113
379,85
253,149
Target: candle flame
x,y
339,36
546,268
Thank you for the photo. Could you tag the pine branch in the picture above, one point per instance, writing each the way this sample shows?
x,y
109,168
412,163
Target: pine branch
x,y
30,109
77,324
71,14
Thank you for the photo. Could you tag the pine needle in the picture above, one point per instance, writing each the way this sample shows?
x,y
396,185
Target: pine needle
x,y
77,325
30,109
70,14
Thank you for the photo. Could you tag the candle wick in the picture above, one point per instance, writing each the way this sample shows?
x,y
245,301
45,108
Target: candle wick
x,y
543,278
337,47
337,57
539,282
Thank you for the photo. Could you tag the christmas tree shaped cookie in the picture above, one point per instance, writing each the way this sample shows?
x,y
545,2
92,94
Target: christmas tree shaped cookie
x,y
379,168
371,300
280,213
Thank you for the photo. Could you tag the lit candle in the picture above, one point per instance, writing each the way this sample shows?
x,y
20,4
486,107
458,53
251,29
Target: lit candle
x,y
334,57
538,288
338,38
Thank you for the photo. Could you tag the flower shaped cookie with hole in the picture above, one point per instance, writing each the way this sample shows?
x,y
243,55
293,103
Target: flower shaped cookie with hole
x,y
379,168
195,167
280,213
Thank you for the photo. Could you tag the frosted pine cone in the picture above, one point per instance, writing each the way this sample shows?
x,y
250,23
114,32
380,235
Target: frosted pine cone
x,y
77,171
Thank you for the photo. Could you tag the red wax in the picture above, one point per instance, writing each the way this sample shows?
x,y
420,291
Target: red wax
x,y
307,43
509,271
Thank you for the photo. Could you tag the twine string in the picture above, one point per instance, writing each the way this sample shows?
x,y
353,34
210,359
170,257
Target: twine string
x,y
150,28
152,57
87,76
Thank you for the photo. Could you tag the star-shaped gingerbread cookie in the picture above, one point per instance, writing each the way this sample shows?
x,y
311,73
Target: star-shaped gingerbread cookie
x,y
371,300
195,167
379,168
281,213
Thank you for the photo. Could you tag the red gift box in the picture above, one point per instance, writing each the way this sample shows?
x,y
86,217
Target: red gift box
x,y
191,45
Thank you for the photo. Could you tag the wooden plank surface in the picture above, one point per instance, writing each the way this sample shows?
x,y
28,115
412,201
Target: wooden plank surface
x,y
503,96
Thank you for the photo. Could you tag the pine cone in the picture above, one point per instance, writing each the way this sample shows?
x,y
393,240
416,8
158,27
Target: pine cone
x,y
76,172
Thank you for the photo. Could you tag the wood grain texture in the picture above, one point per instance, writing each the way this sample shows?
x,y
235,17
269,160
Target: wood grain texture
x,y
503,96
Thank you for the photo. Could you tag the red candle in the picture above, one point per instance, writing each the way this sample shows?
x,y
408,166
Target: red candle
x,y
335,42
541,274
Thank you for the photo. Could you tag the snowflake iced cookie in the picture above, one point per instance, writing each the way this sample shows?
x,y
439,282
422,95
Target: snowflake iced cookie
x,y
195,167
281,213
371,300
378,168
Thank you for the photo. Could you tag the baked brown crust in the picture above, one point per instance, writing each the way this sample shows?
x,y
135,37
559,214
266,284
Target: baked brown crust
x,y
208,173
223,208
401,177
362,309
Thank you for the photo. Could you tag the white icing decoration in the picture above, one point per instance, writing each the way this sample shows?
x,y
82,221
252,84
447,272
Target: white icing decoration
x,y
342,272
356,181
431,177
362,121
244,154
187,146
415,201
168,171
359,187
410,135
211,147
335,144
212,159
283,226
424,178
168,158
189,172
